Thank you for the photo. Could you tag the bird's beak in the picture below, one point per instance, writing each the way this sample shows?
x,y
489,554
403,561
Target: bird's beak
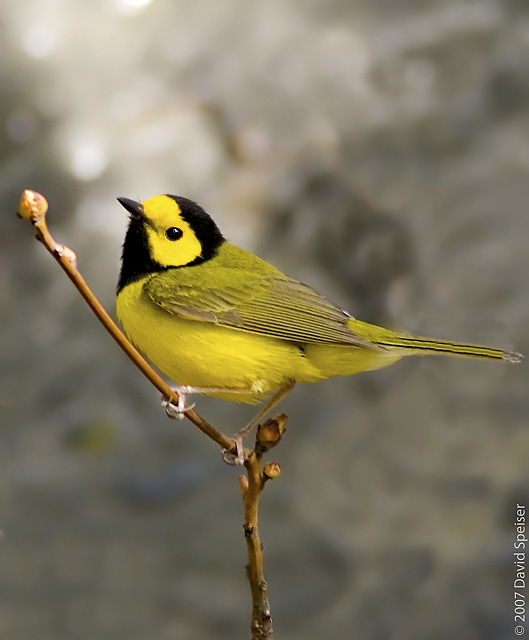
x,y
134,208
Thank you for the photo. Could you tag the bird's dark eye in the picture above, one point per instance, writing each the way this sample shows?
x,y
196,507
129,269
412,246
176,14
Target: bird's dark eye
x,y
173,233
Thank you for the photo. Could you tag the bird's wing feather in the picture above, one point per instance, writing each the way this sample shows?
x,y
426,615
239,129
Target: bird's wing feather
x,y
269,304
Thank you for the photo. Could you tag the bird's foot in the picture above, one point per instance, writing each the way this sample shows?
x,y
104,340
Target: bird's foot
x,y
177,411
237,458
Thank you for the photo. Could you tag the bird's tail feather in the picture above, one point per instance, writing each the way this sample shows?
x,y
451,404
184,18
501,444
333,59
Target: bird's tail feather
x,y
416,345
427,345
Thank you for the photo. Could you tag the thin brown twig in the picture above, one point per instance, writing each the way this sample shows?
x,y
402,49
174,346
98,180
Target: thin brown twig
x,y
268,435
33,207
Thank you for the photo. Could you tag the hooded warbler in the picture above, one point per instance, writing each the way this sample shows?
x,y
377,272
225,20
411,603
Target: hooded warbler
x,y
219,320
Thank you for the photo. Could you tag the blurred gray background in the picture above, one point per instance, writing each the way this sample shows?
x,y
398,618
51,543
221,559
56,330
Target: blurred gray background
x,y
377,150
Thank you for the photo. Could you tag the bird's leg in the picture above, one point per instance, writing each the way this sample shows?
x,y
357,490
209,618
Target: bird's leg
x,y
238,457
177,411
274,400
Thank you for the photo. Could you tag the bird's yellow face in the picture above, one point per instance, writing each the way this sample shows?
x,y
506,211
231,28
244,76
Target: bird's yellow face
x,y
172,240
166,232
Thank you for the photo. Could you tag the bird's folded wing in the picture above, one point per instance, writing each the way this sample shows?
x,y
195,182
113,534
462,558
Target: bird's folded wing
x,y
271,304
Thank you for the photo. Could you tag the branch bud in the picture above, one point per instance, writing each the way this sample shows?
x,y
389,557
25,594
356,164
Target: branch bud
x,y
270,432
32,206
67,253
271,471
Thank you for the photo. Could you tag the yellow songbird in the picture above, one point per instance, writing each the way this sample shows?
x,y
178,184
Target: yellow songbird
x,y
218,320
